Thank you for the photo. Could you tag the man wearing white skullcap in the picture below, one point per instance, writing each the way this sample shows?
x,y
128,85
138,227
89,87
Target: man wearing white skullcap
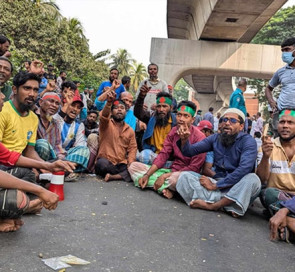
x,y
234,186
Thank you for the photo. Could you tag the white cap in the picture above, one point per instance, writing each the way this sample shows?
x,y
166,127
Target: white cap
x,y
236,111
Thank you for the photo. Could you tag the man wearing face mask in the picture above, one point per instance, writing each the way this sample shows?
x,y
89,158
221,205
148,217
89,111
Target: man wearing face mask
x,y
286,77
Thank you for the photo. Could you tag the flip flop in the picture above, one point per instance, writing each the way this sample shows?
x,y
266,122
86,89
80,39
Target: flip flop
x,y
285,235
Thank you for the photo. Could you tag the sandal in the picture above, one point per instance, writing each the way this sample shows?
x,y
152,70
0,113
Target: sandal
x,y
285,235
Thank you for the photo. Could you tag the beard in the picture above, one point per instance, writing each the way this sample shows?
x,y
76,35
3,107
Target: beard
x,y
153,78
162,121
111,79
118,119
227,140
286,139
25,107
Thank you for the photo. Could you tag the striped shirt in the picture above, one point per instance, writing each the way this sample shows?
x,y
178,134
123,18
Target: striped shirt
x,y
282,171
51,134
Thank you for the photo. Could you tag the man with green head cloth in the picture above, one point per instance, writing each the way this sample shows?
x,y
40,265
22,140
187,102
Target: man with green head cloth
x,y
277,170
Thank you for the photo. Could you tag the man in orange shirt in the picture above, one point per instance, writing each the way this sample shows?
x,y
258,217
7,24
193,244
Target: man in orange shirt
x,y
118,147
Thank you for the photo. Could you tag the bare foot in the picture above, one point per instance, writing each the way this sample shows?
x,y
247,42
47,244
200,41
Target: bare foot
x,y
167,193
35,206
107,177
201,204
7,225
235,215
18,223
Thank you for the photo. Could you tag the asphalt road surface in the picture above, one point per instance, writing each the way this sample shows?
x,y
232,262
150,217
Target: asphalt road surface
x,y
118,227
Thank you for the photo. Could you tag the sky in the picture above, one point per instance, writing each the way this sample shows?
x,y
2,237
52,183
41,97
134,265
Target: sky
x,y
126,24
114,24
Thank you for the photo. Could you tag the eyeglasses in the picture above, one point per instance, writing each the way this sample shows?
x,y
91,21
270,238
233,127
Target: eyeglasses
x,y
231,120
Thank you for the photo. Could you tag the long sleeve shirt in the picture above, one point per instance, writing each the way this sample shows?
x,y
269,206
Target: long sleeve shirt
x,y
104,84
180,162
116,146
289,204
259,125
209,116
231,163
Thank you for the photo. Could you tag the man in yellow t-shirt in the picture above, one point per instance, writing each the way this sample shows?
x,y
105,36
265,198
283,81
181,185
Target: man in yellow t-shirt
x,y
18,124
159,124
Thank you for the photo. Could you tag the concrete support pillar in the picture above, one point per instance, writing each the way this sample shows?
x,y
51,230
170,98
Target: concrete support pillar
x,y
208,100
178,58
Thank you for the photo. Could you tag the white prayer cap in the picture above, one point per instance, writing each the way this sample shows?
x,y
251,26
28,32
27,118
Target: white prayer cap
x,y
236,111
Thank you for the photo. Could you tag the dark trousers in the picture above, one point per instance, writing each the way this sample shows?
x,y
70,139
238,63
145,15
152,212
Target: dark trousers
x,y
104,166
20,172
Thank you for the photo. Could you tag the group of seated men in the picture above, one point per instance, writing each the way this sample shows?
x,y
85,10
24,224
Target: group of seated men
x,y
209,171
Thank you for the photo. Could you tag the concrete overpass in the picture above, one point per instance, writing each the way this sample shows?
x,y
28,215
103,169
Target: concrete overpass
x,y
208,44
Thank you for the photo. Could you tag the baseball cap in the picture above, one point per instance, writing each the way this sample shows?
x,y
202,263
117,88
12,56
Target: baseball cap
x,y
205,124
77,98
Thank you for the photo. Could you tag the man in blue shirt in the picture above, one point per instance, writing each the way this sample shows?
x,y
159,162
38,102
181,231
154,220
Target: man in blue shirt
x,y
237,99
130,118
285,77
209,116
104,86
234,186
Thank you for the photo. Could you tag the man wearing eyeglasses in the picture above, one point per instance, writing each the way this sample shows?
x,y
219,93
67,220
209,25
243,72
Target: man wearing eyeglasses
x,y
234,186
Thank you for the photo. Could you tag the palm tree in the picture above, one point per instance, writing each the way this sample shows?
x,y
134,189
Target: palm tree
x,y
76,26
48,7
137,73
122,60
98,56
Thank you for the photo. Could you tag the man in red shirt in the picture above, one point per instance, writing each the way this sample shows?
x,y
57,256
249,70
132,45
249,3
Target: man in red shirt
x,y
162,179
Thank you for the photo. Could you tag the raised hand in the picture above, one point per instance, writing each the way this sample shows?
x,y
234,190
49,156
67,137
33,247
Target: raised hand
x,y
69,95
116,84
111,96
183,132
267,146
36,67
50,87
144,89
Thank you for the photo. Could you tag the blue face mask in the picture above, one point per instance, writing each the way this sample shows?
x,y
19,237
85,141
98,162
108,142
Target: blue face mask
x,y
287,57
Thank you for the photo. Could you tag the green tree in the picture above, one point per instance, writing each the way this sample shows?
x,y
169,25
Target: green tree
x,y
35,33
278,28
181,90
122,60
76,27
99,55
137,74
48,7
